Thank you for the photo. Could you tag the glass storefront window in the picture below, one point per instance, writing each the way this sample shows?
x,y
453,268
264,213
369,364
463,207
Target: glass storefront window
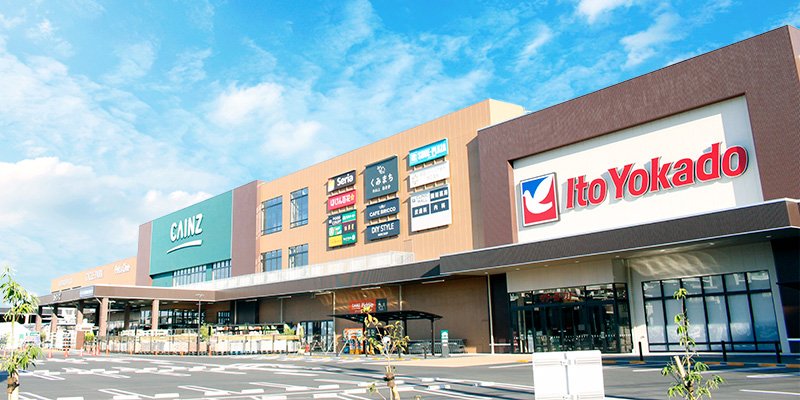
x,y
670,287
758,280
736,308
652,289
572,318
713,284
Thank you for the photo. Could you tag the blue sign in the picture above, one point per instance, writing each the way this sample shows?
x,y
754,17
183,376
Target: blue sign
x,y
384,208
383,230
427,153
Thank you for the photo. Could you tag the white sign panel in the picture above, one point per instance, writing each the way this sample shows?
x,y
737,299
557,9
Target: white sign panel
x,y
695,162
568,375
434,173
430,209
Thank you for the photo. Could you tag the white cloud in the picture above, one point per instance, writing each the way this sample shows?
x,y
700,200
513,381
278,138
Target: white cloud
x,y
792,18
643,45
285,140
7,23
135,61
593,9
239,105
201,13
542,36
189,67
45,33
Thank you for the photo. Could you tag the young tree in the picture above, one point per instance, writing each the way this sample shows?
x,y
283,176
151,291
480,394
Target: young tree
x,y
390,339
20,304
685,369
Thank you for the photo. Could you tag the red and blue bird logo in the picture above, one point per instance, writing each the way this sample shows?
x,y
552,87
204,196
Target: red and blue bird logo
x,y
539,202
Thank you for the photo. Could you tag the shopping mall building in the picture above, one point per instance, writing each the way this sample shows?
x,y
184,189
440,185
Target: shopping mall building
x,y
561,229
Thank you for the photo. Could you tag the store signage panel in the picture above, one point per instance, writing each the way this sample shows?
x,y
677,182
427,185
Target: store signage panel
x,y
342,181
342,229
381,178
430,209
431,174
196,235
383,209
427,153
341,200
383,230
359,306
695,162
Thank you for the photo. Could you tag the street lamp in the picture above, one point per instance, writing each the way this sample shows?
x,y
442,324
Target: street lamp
x,y
199,305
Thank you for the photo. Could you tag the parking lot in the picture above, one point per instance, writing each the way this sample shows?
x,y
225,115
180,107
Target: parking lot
x,y
302,377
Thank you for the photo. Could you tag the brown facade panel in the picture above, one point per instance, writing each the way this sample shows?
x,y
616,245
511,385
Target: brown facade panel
x,y
763,69
462,304
244,230
143,255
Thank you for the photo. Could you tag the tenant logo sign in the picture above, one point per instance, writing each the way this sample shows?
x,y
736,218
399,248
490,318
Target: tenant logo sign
x,y
539,203
539,200
186,228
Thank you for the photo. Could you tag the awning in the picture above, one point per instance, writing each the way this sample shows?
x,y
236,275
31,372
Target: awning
x,y
386,316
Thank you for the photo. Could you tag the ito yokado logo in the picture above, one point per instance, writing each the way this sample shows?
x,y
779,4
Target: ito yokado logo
x,y
539,202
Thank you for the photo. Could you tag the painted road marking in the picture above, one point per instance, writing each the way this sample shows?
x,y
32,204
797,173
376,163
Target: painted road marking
x,y
31,396
769,392
288,388
767,376
527,364
294,373
119,394
358,383
206,390
453,395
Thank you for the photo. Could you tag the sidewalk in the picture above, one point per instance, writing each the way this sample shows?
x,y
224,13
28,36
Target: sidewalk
x,y
474,360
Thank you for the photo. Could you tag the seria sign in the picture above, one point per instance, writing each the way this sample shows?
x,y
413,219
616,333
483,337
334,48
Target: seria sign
x,y
341,181
636,182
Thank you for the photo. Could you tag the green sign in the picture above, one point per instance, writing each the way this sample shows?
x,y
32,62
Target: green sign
x,y
342,229
196,235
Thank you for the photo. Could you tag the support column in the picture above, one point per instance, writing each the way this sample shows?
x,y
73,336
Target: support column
x,y
103,318
54,319
38,319
79,314
126,324
154,315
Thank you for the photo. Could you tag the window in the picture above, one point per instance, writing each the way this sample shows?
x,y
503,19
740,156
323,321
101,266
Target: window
x,y
223,317
736,308
299,207
190,275
273,215
298,256
271,260
221,270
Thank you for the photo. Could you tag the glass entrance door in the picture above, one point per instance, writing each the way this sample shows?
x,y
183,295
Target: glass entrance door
x,y
573,321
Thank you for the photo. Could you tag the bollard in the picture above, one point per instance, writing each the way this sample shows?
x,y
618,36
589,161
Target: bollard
x,y
724,352
641,355
778,351
50,353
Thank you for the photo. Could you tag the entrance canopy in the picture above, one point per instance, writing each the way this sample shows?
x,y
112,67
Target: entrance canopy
x,y
390,316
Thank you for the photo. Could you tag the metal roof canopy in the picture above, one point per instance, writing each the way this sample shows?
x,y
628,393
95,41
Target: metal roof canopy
x,y
387,316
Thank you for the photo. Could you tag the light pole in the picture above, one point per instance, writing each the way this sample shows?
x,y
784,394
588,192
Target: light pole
x,y
199,305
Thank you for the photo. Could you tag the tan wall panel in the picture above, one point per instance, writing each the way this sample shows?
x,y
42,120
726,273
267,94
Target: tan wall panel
x,y
115,273
462,303
459,127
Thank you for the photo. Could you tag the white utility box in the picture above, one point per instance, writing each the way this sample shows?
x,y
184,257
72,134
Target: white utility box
x,y
568,375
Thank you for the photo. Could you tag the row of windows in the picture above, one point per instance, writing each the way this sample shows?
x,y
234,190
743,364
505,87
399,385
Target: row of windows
x,y
735,308
273,211
189,275
197,274
272,260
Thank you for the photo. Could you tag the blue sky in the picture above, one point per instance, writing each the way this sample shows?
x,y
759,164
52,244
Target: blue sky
x,y
114,113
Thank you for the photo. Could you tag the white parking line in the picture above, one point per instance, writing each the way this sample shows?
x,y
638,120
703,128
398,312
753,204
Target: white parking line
x,y
768,376
769,392
31,396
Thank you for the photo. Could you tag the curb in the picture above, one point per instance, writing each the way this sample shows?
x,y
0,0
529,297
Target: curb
x,y
715,363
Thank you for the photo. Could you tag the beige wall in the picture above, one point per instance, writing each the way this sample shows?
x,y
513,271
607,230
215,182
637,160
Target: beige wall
x,y
460,128
121,272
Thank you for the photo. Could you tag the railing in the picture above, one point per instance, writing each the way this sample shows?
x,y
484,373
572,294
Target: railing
x,y
381,260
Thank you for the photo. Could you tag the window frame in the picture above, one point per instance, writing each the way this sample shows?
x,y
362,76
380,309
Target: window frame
x,y
298,208
300,251
274,204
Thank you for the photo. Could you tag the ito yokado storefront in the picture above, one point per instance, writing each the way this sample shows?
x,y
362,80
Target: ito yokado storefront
x,y
598,209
